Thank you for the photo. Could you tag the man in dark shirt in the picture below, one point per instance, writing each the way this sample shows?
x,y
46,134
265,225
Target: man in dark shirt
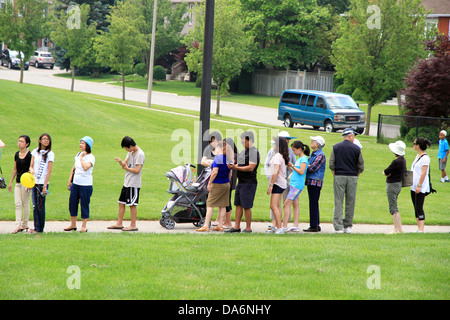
x,y
346,164
247,166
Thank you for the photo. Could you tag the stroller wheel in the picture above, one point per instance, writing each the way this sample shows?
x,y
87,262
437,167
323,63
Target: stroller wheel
x,y
167,223
161,221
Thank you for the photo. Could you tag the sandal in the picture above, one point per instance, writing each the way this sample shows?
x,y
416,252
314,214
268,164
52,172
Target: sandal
x,y
202,229
218,229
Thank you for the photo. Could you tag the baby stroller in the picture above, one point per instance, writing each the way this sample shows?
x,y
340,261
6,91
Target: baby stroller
x,y
188,203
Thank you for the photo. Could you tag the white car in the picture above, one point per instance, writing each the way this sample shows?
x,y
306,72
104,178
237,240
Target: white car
x,y
42,59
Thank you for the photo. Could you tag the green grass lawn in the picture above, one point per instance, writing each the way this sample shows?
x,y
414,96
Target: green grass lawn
x,y
231,267
165,266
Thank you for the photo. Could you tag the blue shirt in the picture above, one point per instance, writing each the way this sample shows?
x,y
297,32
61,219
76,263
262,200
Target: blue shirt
x,y
220,161
297,179
443,147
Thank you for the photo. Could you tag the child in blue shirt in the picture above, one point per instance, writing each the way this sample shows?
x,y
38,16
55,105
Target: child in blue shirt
x,y
443,154
297,182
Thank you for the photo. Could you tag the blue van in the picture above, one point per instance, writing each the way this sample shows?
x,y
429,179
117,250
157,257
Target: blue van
x,y
330,110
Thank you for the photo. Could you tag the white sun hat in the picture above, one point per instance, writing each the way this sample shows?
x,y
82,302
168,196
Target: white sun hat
x,y
398,147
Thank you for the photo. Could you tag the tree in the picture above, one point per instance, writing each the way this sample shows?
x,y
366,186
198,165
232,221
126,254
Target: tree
x,y
427,84
21,24
231,49
72,32
124,42
378,42
170,22
286,31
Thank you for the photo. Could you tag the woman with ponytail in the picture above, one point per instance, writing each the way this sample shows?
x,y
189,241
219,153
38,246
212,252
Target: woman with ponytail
x,y
297,182
421,183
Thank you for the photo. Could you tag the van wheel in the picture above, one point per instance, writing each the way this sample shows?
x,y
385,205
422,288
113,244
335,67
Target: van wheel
x,y
288,121
329,127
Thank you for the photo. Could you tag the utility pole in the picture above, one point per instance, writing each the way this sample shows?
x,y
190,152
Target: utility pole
x,y
205,101
152,58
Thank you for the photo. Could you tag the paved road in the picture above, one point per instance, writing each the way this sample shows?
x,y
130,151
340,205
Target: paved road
x,y
258,227
45,77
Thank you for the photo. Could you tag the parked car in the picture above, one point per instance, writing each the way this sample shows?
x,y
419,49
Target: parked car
x,y
42,59
11,59
332,111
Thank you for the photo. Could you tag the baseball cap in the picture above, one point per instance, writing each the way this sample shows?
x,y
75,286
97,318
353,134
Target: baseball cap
x,y
320,140
286,135
1,144
348,131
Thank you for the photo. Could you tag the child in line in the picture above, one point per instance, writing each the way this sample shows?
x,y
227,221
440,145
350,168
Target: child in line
x,y
443,154
297,182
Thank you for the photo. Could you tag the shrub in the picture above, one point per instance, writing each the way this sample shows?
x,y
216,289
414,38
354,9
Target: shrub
x,y
429,132
159,73
140,69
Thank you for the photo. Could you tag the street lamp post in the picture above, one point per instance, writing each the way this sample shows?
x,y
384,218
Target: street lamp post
x,y
205,102
152,58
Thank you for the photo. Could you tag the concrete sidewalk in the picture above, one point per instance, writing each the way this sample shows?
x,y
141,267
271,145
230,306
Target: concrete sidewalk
x,y
258,227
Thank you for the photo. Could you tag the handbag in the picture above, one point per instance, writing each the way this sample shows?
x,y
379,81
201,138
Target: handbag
x,y
2,181
407,179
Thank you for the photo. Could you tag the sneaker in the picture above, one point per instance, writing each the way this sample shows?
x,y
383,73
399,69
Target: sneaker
x,y
279,231
338,231
443,180
294,229
348,230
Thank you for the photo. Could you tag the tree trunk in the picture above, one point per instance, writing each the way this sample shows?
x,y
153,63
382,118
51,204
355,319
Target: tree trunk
x,y
73,79
123,84
22,61
218,101
368,118
400,103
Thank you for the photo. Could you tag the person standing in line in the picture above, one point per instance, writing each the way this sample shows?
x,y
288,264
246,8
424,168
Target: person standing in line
x,y
41,166
218,186
22,161
314,181
346,164
129,196
443,154
277,180
394,176
297,181
80,184
247,166
421,182
292,159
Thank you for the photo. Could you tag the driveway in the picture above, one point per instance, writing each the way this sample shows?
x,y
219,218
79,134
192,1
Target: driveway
x,y
45,77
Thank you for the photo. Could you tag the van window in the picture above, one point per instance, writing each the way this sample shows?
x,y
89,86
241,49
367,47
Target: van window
x,y
291,97
304,97
311,101
321,103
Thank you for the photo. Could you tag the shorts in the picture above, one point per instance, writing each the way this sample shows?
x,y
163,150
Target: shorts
x,y
277,189
245,195
293,193
129,196
392,191
442,164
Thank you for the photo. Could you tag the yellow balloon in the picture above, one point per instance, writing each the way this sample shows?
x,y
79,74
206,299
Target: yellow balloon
x,y
27,180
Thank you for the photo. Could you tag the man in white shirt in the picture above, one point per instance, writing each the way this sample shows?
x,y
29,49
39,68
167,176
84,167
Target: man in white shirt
x,y
129,196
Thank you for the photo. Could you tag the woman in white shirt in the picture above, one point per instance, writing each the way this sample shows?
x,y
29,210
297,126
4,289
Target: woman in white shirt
x,y
277,180
80,184
421,184
41,166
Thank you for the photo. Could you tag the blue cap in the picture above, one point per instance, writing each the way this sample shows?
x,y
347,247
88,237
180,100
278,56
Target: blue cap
x,y
88,141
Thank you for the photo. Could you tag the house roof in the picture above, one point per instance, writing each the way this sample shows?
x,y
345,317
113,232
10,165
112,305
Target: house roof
x,y
438,6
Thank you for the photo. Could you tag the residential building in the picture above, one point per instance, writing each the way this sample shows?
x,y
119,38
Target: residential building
x,y
440,15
